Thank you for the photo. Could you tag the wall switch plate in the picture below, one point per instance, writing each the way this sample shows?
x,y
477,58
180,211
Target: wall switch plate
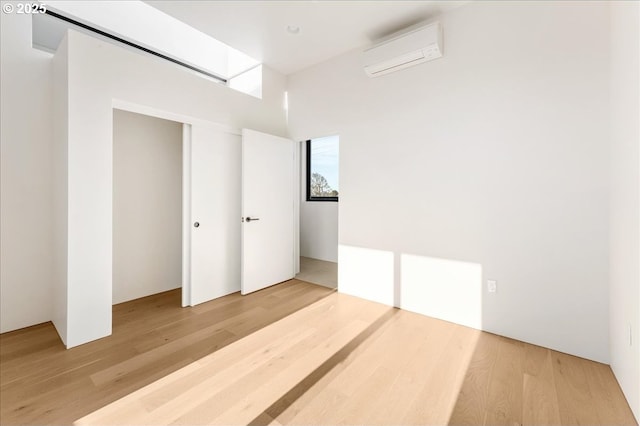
x,y
492,286
629,334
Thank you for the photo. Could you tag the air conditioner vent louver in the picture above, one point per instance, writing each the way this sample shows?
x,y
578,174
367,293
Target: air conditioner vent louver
x,y
403,51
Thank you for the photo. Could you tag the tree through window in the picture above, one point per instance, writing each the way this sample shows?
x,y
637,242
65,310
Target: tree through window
x,y
322,169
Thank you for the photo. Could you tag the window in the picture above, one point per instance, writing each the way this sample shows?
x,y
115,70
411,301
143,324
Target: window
x,y
322,169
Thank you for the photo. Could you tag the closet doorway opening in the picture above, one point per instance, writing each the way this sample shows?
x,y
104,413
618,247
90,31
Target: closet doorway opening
x,y
147,207
320,195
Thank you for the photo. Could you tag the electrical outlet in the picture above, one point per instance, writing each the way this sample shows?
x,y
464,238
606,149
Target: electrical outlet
x,y
492,286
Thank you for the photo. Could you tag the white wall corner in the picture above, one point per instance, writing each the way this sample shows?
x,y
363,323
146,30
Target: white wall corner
x,y
624,280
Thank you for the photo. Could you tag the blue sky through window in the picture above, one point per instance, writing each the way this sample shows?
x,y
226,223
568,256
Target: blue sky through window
x,y
325,159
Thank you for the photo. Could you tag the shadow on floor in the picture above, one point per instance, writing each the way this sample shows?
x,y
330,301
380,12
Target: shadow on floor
x,y
296,392
44,383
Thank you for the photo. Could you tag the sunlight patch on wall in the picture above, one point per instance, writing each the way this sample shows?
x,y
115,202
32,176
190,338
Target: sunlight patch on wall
x,y
366,273
446,289
450,290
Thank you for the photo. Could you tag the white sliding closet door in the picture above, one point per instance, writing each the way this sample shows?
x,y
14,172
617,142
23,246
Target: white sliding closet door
x,y
214,214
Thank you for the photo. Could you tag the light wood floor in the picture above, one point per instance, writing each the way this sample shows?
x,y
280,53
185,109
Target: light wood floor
x,y
296,353
318,271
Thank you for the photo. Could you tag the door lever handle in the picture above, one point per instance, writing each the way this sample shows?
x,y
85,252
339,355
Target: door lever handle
x,y
249,219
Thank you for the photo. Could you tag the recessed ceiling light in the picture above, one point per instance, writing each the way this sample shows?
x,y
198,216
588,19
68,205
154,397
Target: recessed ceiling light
x,y
293,29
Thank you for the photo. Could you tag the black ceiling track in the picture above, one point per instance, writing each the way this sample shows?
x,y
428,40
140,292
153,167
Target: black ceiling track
x,y
134,45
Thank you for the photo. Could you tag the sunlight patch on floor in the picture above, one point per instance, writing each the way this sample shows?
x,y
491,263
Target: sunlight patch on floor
x,y
237,383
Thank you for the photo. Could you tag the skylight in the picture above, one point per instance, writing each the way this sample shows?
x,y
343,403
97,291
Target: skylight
x,y
138,23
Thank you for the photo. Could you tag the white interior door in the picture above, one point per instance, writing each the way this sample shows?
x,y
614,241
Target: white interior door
x,y
214,224
268,187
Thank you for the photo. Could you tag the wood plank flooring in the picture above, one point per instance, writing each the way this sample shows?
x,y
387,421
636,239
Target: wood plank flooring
x,y
296,353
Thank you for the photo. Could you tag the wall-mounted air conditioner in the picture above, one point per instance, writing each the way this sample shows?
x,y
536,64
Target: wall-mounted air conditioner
x,y
405,50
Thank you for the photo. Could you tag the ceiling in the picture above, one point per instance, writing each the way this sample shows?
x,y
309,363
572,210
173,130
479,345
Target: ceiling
x,y
327,28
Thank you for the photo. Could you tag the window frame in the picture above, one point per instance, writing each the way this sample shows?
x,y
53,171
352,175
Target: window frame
x,y
308,183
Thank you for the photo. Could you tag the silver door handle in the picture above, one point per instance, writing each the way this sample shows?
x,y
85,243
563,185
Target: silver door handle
x,y
249,219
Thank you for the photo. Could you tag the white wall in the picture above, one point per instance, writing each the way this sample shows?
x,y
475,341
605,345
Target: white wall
x,y
318,221
25,182
624,302
147,205
100,75
59,192
494,156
